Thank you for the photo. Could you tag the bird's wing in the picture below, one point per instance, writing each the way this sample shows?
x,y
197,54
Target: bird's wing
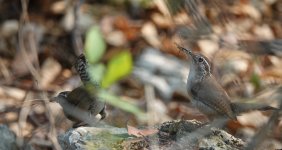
x,y
213,95
83,99
80,98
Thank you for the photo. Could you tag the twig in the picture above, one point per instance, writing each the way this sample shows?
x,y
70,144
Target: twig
x,y
150,97
201,22
24,20
5,72
76,33
273,120
22,117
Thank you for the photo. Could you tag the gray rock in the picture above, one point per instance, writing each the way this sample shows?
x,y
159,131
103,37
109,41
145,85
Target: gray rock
x,y
183,134
192,134
93,138
8,139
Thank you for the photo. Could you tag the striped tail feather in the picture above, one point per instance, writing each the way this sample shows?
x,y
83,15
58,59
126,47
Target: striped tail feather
x,y
81,67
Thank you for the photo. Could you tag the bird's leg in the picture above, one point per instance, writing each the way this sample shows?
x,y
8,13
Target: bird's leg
x,y
103,113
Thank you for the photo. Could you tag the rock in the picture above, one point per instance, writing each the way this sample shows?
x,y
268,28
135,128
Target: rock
x,y
183,134
8,138
192,134
93,137
221,140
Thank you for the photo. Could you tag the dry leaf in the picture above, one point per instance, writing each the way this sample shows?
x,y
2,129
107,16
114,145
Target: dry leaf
x,y
140,132
49,71
150,34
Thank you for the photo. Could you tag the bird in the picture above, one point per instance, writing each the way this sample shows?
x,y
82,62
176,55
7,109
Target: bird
x,y
208,96
83,99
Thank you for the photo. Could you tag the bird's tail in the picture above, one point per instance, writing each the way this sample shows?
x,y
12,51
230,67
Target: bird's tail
x,y
246,107
81,67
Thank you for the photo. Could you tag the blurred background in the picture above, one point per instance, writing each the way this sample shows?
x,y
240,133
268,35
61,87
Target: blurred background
x,y
130,46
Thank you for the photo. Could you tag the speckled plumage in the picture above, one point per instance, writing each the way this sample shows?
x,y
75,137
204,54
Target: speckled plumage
x,y
81,67
82,98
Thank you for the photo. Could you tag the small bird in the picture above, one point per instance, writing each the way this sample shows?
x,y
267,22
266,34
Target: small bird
x,y
207,94
82,99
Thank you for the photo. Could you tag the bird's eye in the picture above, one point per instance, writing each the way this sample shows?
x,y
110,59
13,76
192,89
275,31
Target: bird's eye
x,y
200,59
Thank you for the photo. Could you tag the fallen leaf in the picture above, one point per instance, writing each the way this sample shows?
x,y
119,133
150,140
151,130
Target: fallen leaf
x,y
140,132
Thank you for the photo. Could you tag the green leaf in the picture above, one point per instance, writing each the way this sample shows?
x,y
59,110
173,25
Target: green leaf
x,y
121,104
118,67
95,45
97,72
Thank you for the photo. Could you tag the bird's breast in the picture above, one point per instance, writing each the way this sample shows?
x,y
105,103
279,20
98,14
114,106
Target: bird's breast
x,y
205,109
193,88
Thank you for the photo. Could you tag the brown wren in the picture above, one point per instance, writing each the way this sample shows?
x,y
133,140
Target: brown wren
x,y
207,94
83,98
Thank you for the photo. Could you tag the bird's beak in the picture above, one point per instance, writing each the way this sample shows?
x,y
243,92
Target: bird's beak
x,y
53,99
186,51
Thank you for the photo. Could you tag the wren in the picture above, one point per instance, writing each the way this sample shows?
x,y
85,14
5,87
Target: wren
x,y
207,94
83,98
